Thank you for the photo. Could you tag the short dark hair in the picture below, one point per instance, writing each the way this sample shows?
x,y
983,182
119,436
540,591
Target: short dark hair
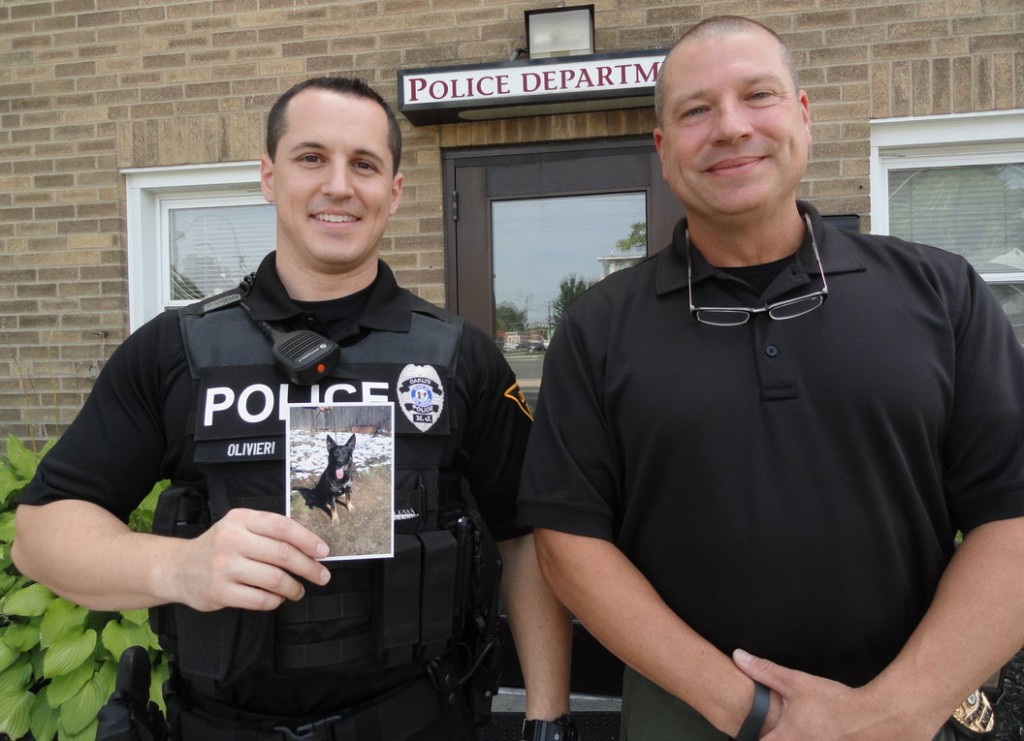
x,y
723,25
277,119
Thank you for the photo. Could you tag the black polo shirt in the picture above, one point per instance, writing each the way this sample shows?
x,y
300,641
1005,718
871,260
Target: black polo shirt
x,y
789,487
130,432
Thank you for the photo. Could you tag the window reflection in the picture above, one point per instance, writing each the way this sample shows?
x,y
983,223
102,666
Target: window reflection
x,y
973,210
547,251
213,247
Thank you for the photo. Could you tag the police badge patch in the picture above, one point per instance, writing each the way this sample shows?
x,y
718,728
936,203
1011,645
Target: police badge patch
x,y
420,395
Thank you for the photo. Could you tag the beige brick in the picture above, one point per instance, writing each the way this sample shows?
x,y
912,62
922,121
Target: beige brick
x,y
962,81
1009,42
1018,75
951,47
89,87
919,30
941,86
983,92
901,89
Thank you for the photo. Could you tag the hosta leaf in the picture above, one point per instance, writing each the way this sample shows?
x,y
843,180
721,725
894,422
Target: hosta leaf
x,y
106,679
160,674
42,720
21,636
138,617
8,655
29,601
87,734
7,526
64,687
115,638
68,652
17,676
9,481
81,710
60,618
15,708
7,582
119,636
153,641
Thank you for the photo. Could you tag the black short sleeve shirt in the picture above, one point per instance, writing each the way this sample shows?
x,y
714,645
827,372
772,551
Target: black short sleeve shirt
x,y
789,487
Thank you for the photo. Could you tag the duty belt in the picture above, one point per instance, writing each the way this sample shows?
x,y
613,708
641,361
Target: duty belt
x,y
397,715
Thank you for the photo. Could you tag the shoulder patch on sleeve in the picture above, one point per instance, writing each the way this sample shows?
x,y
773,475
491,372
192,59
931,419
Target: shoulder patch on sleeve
x,y
515,393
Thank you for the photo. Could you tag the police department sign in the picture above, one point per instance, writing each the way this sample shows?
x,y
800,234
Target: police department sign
x,y
531,87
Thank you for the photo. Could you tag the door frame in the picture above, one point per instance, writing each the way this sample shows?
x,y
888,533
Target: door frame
x,y
469,186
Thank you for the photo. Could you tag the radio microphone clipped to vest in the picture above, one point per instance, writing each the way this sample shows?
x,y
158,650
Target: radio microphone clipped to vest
x,y
302,355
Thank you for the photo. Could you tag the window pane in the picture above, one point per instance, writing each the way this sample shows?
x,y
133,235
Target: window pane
x,y
546,252
974,210
212,248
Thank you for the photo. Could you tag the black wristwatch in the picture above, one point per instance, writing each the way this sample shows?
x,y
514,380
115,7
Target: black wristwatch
x,y
559,729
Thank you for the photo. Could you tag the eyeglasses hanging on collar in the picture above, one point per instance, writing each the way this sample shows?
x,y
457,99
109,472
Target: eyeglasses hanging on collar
x,y
728,316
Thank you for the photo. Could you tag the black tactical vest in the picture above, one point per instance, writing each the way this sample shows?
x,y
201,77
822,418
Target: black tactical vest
x,y
373,614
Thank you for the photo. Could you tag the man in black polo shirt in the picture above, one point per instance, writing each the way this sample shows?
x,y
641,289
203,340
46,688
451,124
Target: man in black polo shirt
x,y
762,441
268,641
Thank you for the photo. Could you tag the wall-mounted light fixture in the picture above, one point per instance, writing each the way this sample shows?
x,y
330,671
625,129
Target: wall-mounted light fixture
x,y
560,31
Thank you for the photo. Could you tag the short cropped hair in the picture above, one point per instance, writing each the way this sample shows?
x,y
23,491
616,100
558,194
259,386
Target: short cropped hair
x,y
722,25
277,119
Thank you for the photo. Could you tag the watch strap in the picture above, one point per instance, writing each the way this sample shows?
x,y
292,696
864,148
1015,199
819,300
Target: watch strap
x,y
559,729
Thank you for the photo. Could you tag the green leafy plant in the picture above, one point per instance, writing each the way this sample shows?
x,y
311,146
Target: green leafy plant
x,y
58,660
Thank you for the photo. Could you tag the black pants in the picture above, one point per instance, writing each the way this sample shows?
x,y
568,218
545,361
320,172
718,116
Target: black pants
x,y
454,725
450,723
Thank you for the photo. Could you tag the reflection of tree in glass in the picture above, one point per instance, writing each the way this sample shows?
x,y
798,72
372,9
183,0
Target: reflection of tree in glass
x,y
974,210
636,241
507,318
569,289
183,288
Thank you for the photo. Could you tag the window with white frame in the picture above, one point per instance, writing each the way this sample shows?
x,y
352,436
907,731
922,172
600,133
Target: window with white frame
x,y
193,231
957,182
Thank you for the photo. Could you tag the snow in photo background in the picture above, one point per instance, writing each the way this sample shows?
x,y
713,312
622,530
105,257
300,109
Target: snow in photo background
x,y
308,452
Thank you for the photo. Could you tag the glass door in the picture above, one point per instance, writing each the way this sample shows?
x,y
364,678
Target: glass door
x,y
530,230
546,252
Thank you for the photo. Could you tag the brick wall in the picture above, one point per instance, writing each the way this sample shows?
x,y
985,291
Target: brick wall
x,y
91,86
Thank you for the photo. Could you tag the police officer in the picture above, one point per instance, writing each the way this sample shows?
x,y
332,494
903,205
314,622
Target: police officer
x,y
267,639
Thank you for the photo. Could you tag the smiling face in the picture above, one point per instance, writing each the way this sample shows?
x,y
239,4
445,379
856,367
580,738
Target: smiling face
x,y
734,132
333,188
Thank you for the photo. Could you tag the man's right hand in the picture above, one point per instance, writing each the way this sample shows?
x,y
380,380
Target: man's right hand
x,y
248,559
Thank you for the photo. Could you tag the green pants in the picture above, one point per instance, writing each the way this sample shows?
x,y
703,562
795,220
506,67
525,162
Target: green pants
x,y
649,713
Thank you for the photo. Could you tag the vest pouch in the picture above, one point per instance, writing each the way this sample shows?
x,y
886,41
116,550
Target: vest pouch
x,y
216,648
398,609
332,626
438,590
416,593
181,511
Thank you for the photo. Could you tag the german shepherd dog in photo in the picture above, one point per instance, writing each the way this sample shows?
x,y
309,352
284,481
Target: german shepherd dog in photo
x,y
335,484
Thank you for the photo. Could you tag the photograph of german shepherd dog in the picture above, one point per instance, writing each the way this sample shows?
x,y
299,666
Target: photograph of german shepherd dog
x,y
338,453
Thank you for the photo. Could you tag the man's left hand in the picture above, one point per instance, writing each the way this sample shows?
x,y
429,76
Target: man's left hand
x,y
816,709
